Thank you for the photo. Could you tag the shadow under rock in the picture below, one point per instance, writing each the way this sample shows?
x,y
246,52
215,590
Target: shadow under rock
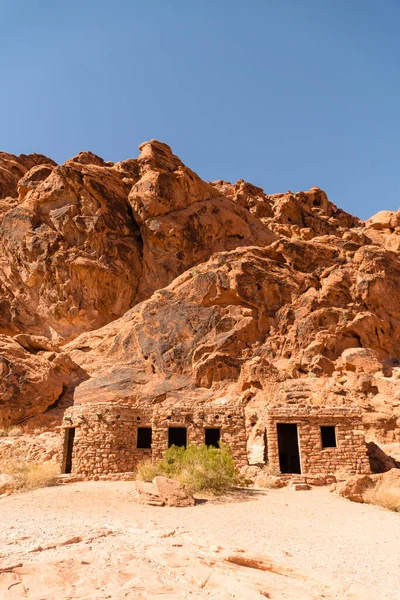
x,y
235,495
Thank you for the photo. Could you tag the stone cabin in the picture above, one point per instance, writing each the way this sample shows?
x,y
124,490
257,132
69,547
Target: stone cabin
x,y
312,439
106,438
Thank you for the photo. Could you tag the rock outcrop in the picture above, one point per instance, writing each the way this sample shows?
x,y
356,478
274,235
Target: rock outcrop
x,y
382,489
32,379
139,281
163,491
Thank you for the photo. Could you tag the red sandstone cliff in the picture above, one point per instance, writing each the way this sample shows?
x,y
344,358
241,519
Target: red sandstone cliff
x,y
138,280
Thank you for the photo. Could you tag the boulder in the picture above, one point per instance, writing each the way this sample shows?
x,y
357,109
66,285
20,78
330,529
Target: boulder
x,y
361,359
380,461
354,488
316,480
384,219
390,479
146,493
270,481
171,492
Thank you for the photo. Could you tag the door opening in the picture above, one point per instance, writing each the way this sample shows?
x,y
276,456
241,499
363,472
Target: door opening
x,y
288,444
177,436
70,435
212,436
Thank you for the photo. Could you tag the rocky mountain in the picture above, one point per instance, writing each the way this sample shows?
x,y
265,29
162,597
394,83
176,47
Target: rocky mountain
x,y
139,281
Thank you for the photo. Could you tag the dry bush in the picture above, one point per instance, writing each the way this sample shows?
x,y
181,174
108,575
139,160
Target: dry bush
x,y
147,470
268,481
11,431
41,475
385,497
29,476
15,432
271,470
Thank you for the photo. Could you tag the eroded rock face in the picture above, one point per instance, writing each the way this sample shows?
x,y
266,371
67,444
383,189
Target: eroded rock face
x,y
13,168
87,240
30,381
72,249
167,286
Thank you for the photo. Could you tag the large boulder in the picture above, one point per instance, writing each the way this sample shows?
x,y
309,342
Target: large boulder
x,y
380,461
371,488
171,492
146,493
354,488
163,491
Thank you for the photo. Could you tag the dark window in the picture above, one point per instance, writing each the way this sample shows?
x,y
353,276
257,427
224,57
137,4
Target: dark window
x,y
70,435
212,436
143,437
328,436
177,436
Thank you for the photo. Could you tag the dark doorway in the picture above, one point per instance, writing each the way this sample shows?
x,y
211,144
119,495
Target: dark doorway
x,y
143,437
288,444
177,436
70,435
212,436
328,436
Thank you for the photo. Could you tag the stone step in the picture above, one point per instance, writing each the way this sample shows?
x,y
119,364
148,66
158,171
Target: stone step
x,y
298,487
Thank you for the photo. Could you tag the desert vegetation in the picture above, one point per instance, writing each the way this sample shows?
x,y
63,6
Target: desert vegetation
x,y
24,476
197,468
381,496
11,431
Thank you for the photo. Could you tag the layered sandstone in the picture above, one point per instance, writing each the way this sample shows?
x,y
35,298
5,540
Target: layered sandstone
x,y
137,282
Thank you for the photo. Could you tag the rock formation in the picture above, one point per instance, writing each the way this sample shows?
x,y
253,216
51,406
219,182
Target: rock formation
x,y
138,280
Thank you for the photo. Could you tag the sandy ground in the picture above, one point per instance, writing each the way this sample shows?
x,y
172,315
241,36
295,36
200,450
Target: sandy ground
x,y
92,541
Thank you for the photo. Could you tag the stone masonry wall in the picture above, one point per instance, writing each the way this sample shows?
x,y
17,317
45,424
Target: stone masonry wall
x,y
350,455
229,418
106,434
106,438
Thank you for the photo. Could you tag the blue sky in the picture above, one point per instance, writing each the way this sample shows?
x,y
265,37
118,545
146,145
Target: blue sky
x,y
286,94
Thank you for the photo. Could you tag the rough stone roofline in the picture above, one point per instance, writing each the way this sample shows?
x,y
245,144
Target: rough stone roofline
x,y
337,412
189,406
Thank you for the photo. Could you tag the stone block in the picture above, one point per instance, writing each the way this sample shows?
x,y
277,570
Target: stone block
x,y
171,492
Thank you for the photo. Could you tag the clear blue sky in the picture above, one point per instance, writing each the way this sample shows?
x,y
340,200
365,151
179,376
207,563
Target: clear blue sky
x,y
286,94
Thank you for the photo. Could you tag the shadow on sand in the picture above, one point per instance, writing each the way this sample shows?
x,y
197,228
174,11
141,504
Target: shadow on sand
x,y
235,495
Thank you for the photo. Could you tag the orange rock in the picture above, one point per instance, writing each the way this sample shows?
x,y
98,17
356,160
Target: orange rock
x,y
171,492
157,285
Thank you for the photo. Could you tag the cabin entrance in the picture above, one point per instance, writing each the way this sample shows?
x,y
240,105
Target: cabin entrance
x,y
69,447
288,445
177,436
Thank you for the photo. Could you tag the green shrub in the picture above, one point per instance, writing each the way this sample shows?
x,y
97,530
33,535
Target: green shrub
x,y
198,468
